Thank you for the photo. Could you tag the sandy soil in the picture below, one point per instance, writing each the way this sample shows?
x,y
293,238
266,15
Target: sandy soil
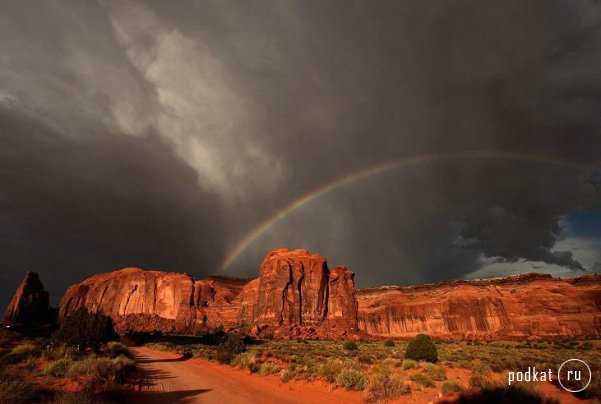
x,y
173,380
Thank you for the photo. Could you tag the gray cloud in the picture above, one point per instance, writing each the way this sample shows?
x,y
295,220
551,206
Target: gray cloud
x,y
139,132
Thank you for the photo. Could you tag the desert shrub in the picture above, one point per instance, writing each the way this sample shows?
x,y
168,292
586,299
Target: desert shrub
x,y
114,349
215,336
58,368
350,346
330,370
18,391
385,387
162,346
365,358
100,371
287,375
389,343
65,397
268,368
232,345
83,329
423,380
479,377
351,379
246,360
505,395
21,353
61,352
450,387
422,348
410,364
435,372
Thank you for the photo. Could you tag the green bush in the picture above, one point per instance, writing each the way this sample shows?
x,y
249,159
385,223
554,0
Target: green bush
x,y
268,368
350,346
243,360
83,329
435,372
330,370
351,379
61,352
410,364
21,353
423,380
389,343
58,368
450,387
114,349
422,348
232,345
99,371
287,375
385,387
479,378
505,394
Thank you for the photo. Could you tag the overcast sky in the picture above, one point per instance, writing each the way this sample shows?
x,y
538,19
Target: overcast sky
x,y
161,134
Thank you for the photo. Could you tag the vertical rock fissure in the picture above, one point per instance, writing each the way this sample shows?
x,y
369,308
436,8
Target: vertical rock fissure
x,y
102,297
128,298
300,295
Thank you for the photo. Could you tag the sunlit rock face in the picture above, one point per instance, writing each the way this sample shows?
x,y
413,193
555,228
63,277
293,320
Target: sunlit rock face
x,y
295,295
136,299
29,305
524,306
342,305
292,288
298,296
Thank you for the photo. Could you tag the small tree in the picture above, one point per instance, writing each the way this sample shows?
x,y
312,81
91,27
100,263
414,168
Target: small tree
x,y
233,344
421,348
350,346
86,330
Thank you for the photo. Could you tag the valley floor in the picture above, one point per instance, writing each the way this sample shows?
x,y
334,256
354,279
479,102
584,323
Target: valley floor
x,y
171,379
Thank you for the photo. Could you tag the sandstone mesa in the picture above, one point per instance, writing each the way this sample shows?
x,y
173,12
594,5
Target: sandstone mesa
x,y
297,295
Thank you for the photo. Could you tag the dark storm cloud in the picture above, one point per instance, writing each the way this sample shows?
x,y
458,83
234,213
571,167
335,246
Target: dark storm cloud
x,y
231,110
71,208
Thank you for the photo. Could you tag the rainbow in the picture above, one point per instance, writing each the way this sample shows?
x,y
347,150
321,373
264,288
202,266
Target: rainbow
x,y
261,229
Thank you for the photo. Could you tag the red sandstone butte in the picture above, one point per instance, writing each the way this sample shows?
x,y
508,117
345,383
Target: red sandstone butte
x,y
522,306
29,305
297,295
290,298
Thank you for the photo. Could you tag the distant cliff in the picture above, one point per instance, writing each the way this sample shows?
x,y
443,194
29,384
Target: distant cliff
x,y
521,306
297,295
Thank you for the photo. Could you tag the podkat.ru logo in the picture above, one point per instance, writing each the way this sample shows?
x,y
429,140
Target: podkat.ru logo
x,y
574,375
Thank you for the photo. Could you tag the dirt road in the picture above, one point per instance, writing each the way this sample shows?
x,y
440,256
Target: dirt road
x,y
173,380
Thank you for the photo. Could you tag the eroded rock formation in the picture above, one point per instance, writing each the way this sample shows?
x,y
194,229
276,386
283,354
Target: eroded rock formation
x,y
290,298
524,306
29,305
297,295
